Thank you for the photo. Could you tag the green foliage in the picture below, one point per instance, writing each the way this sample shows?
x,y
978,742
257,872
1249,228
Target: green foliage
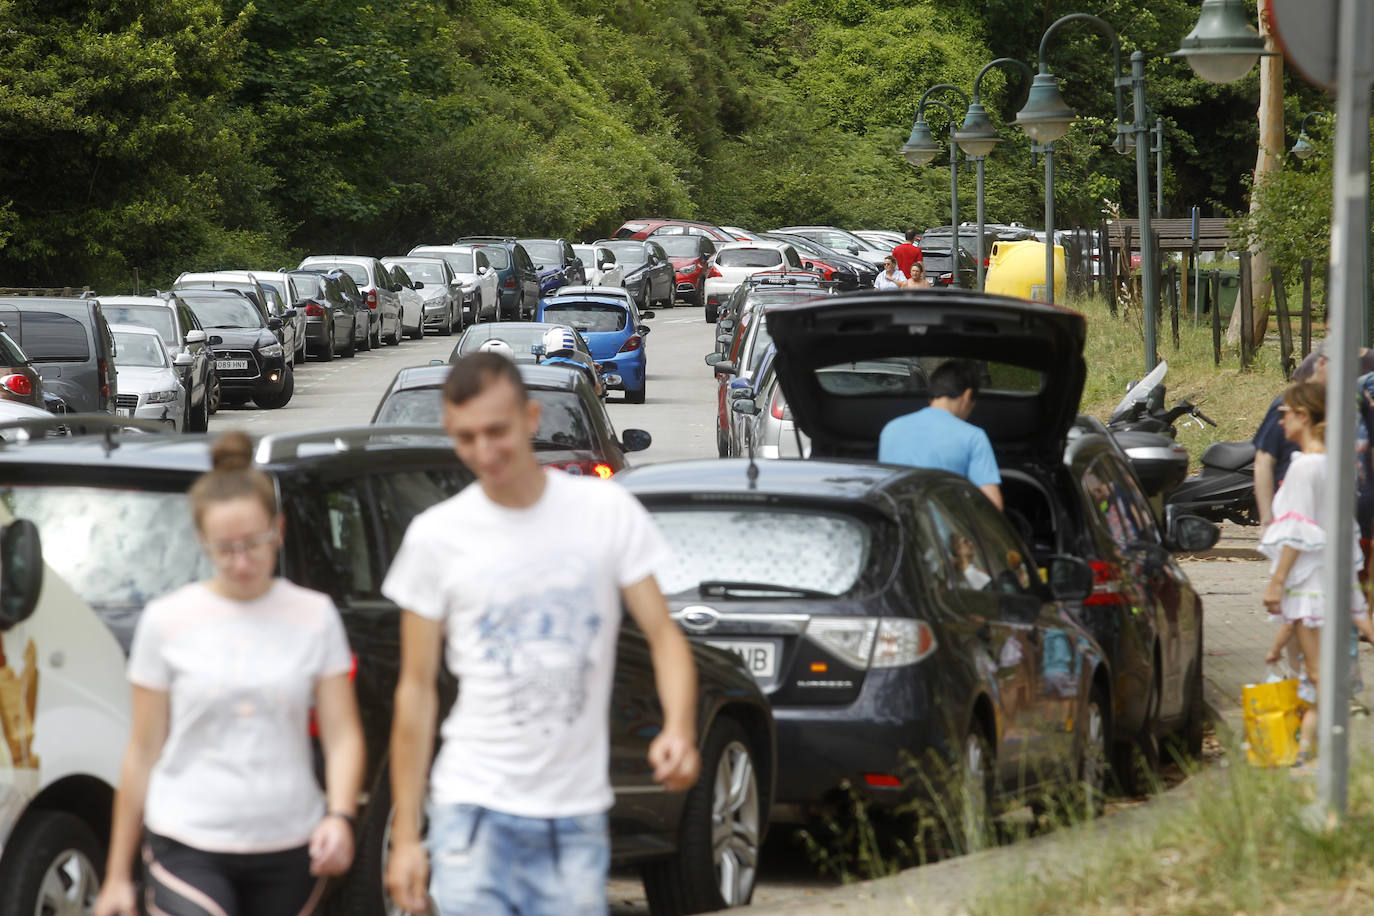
x,y
177,134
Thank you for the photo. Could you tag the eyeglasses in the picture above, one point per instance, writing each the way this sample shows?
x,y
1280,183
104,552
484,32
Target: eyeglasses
x,y
223,550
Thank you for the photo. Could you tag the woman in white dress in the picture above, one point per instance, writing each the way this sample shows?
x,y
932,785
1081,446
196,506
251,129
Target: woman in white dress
x,y
1296,539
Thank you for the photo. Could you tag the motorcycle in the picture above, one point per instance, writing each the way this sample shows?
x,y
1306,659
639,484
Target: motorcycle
x,y
1224,488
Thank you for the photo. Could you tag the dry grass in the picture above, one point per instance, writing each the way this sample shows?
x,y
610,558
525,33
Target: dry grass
x,y
1235,399
1242,845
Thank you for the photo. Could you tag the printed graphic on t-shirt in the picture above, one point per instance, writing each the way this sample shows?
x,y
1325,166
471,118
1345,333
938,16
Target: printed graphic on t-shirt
x,y
542,636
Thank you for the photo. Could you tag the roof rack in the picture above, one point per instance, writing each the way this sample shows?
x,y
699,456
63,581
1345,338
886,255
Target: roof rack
x,y
283,446
85,424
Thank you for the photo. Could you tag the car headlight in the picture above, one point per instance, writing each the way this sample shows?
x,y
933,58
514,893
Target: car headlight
x,y
271,350
162,397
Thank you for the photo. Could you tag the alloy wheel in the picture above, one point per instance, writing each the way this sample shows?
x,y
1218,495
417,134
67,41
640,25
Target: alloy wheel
x,y
69,887
735,824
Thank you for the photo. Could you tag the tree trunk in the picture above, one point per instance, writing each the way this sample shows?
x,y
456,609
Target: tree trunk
x,y
1269,159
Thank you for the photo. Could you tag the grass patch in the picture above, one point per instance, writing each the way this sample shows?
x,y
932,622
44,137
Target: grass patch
x,y
1242,845
1235,399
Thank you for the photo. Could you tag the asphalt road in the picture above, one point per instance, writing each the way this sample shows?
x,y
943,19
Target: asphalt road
x,y
678,413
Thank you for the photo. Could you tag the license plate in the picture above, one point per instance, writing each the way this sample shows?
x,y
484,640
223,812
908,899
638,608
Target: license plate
x,y
759,657
124,411
231,364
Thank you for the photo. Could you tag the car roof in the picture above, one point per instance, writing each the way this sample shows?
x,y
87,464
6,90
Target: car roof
x,y
617,292
202,293
337,259
556,378
139,300
858,481
232,276
772,244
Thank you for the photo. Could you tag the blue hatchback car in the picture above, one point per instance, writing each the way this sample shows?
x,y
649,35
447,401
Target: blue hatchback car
x,y
613,327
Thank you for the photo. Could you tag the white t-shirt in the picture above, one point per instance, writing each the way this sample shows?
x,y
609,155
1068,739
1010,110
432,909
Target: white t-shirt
x,y
236,773
895,281
530,601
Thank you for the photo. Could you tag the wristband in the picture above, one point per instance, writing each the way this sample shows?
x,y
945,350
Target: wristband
x,y
347,818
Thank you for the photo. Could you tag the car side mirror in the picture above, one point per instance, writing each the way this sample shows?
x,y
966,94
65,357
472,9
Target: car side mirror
x,y
1190,533
183,359
577,262
853,249
713,358
216,340
726,324
397,288
481,271
739,388
745,406
21,572
418,285
725,367
646,316
195,336
808,265
635,440
1070,578
274,323
289,314
438,362
605,265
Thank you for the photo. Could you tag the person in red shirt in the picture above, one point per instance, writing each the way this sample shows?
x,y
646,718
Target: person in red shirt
x,y
908,253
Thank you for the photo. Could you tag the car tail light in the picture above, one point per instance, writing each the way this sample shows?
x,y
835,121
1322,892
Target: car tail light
x,y
372,298
715,272
578,468
314,309
872,642
779,407
603,470
1107,588
987,262
882,781
510,282
946,279
102,372
631,344
18,384
352,676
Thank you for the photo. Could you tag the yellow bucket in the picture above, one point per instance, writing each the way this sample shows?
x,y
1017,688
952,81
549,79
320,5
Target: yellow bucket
x,y
1272,718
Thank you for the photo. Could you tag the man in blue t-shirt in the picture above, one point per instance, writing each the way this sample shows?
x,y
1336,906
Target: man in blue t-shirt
x,y
940,437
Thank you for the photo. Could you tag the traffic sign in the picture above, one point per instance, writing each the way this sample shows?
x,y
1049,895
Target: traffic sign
x,y
1306,32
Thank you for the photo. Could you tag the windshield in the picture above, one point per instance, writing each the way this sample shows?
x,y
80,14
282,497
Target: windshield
x,y
423,271
119,547
586,254
542,253
749,257
909,375
308,285
223,311
588,317
679,246
357,271
152,317
143,350
279,288
459,261
811,551
497,256
630,254
562,422
519,338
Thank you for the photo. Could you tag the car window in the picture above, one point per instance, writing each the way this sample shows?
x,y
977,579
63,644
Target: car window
x,y
520,338
905,376
51,337
498,256
656,251
276,294
402,495
398,275
792,258
563,422
950,551
1120,522
810,550
224,311
631,254
349,541
140,350
758,345
153,317
587,317
10,353
429,273
680,246
522,260
118,548
749,257
1008,559
347,285
188,319
543,253
357,272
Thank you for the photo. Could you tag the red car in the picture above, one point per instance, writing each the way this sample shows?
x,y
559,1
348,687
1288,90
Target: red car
x,y
656,226
690,255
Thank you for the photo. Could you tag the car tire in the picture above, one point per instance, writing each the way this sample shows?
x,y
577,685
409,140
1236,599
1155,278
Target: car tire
x,y
278,399
349,351
199,420
363,892
637,396
327,354
1188,742
446,327
712,313
375,328
54,864
302,355
394,338
366,343
722,444
706,875
1137,762
1090,788
419,327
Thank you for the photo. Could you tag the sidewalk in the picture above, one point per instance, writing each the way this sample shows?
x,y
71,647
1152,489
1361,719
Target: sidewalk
x,y
1237,633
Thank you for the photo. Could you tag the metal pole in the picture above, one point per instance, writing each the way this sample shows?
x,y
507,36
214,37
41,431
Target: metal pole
x,y
1346,301
978,162
1159,168
1149,282
954,192
1049,222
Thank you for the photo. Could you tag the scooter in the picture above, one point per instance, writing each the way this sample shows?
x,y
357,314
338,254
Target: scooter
x,y
1224,490
1146,432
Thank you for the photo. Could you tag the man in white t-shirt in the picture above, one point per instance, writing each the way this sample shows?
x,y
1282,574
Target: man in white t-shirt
x,y
520,579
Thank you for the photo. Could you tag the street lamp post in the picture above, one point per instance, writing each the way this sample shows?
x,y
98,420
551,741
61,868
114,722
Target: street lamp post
x,y
1302,147
977,138
920,148
1046,117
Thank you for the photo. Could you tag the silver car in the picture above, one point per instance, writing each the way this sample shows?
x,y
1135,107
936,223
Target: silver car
x,y
292,296
149,382
181,332
380,292
439,290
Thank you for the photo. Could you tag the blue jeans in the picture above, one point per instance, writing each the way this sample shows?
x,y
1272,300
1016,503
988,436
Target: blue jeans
x,y
485,863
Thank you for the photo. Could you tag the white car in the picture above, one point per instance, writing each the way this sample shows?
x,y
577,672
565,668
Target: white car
x,y
439,290
600,265
882,238
735,262
152,388
480,295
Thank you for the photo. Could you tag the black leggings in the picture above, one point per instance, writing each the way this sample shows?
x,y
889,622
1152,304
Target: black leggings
x,y
182,881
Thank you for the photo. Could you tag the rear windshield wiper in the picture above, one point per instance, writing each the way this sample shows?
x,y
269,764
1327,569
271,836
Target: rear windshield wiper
x,y
723,589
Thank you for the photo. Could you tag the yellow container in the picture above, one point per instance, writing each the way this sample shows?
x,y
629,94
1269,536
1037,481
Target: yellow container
x,y
1018,269
1272,719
